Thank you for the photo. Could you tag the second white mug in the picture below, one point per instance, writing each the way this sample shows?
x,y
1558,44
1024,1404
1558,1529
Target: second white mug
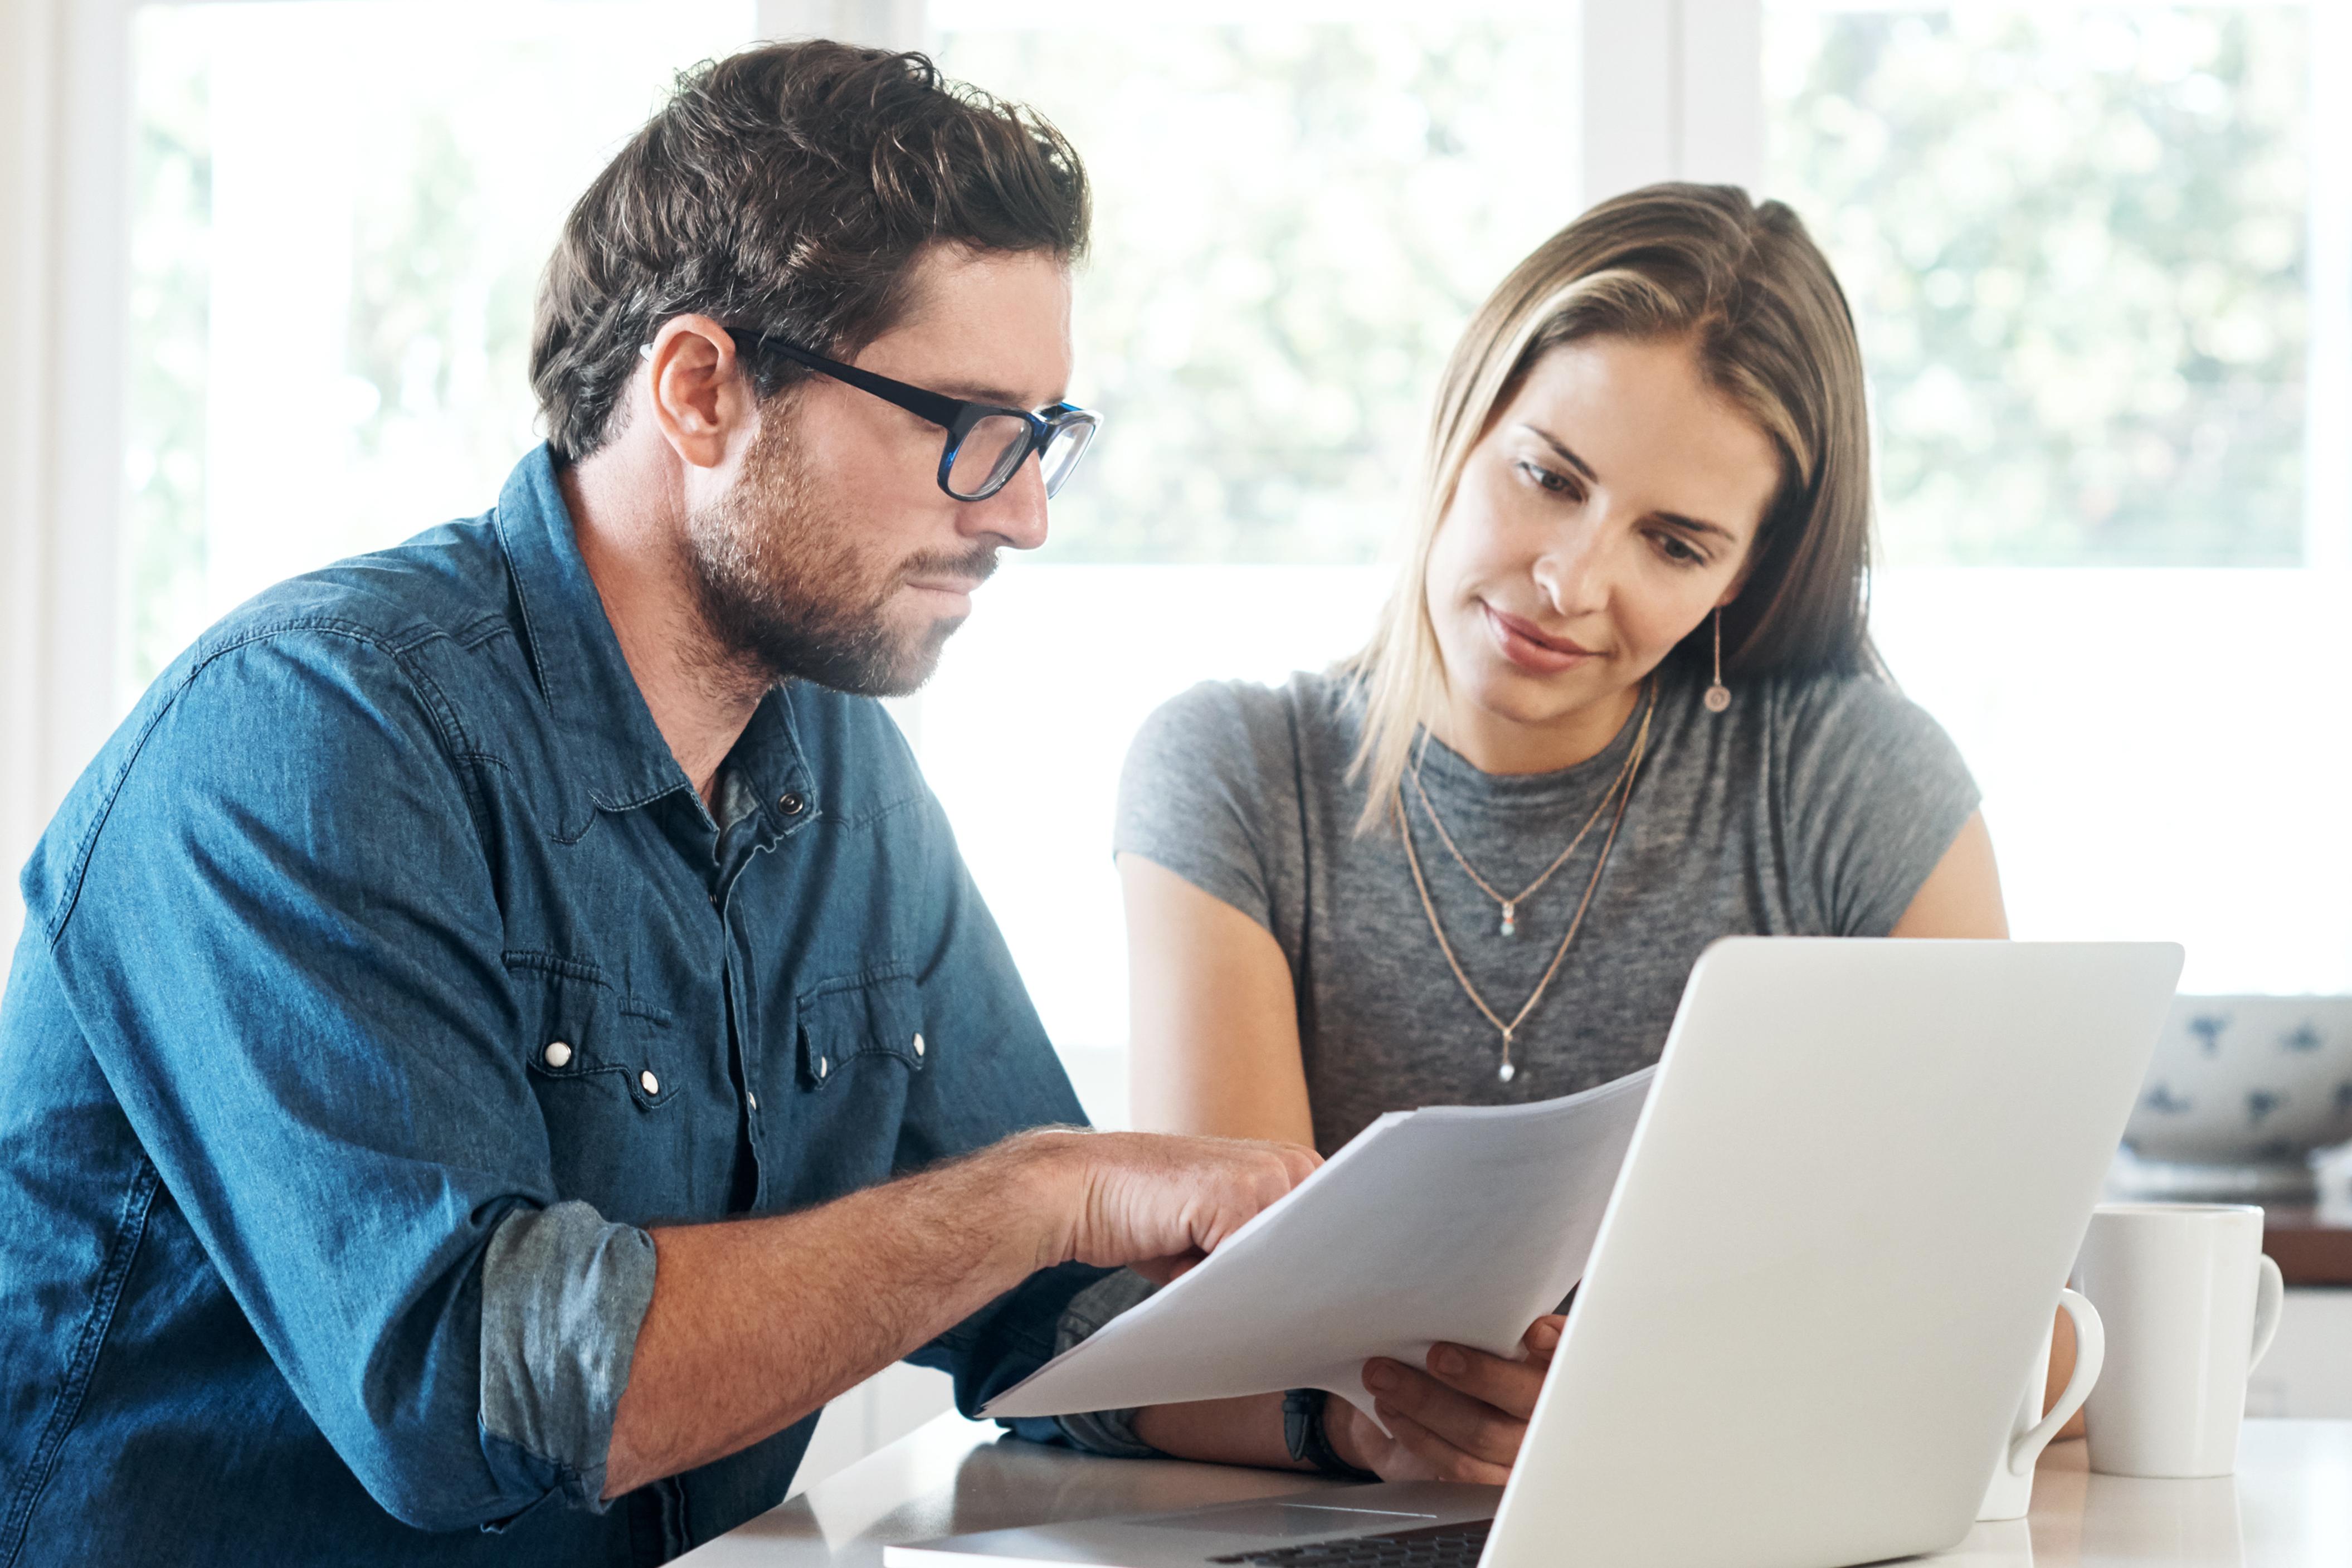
x,y
2190,1304
2011,1492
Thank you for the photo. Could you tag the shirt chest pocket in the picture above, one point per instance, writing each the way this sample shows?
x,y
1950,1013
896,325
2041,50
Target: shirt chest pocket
x,y
599,1062
859,1028
858,1054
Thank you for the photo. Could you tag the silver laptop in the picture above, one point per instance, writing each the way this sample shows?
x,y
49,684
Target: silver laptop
x,y
1837,1241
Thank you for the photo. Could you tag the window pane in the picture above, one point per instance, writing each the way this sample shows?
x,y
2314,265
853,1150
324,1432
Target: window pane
x,y
341,208
2074,240
1295,216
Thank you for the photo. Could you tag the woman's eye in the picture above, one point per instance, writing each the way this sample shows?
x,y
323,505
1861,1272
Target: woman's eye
x,y
1678,550
1552,479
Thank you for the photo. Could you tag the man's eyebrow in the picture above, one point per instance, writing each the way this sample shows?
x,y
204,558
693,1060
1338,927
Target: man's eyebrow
x,y
1002,397
1695,524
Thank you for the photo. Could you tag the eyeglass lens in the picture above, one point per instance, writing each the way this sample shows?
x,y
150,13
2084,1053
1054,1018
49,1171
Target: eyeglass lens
x,y
993,450
1062,450
987,455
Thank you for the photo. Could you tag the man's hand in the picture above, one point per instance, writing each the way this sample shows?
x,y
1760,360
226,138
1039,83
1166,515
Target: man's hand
x,y
1155,1203
756,1323
1462,1418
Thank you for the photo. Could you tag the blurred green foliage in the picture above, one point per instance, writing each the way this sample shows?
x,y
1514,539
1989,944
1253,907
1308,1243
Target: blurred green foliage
x,y
1294,221
472,127
2074,238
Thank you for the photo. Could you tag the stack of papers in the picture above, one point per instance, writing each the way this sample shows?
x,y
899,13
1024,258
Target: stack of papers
x,y
1455,1223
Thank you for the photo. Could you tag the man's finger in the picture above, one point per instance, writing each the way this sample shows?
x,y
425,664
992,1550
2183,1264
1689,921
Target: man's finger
x,y
1473,1426
1163,1270
1542,1337
1441,1459
1301,1161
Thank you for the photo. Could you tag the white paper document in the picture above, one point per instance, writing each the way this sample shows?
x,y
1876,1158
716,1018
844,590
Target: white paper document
x,y
1456,1223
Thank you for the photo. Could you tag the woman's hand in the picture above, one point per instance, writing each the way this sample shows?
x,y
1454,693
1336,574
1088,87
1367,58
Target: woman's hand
x,y
1462,1418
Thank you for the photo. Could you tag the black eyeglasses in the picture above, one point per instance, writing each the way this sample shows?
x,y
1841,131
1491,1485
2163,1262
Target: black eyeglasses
x,y
986,443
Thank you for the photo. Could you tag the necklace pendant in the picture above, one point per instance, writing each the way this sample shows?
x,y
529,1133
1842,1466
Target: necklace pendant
x,y
1718,698
1507,1072
1510,921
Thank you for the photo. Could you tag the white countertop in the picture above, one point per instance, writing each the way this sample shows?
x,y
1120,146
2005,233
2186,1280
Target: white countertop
x,y
2289,1506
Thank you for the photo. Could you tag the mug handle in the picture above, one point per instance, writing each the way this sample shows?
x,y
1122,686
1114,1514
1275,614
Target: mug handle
x,y
2270,1306
2090,1356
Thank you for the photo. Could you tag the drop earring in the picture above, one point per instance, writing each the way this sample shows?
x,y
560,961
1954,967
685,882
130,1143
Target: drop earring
x,y
1718,696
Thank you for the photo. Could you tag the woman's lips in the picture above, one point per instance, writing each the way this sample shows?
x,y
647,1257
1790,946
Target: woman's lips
x,y
1537,652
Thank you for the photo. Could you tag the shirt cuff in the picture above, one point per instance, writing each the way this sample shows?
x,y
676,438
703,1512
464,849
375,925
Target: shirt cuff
x,y
564,1291
1109,1432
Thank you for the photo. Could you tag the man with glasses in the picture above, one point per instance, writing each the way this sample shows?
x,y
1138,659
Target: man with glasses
x,y
503,1034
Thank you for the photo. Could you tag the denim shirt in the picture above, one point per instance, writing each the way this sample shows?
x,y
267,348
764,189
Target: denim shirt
x,y
382,979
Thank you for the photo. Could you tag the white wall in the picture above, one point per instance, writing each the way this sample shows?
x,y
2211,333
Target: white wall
x,y
63,128
29,51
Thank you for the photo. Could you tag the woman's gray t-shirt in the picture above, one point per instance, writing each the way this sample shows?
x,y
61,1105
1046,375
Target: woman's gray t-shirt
x,y
1811,807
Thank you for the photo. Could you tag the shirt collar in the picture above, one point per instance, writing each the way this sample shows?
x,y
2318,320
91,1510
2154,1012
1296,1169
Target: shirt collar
x,y
611,746
768,764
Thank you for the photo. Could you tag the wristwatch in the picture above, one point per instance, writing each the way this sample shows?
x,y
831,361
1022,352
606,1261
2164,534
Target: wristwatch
x,y
1303,1434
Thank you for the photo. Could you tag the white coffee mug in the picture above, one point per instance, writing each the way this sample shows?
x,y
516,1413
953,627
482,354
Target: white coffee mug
x,y
2011,1492
2190,1304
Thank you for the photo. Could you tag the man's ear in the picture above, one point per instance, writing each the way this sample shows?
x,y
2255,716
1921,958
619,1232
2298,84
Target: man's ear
x,y
702,402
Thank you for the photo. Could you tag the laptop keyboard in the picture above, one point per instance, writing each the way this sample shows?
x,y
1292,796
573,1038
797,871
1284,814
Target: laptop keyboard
x,y
1436,1546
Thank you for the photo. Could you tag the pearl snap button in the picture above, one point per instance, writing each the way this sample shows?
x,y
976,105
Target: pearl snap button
x,y
821,1065
557,1055
792,803
919,1044
653,1084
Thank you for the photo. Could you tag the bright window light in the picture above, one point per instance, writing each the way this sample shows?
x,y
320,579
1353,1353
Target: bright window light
x,y
341,208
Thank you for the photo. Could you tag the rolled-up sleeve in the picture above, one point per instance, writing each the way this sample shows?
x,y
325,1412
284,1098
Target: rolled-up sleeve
x,y
282,937
1108,1432
564,1291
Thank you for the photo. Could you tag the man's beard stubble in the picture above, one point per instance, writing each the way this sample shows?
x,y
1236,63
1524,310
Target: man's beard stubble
x,y
785,593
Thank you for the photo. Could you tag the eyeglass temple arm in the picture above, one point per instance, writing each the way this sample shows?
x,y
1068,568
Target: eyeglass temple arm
x,y
940,411
943,411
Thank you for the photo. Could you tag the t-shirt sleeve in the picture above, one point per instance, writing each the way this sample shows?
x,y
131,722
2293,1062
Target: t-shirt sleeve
x,y
1202,794
1875,793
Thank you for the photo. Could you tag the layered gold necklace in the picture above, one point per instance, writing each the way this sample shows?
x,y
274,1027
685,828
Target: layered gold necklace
x,y
1620,791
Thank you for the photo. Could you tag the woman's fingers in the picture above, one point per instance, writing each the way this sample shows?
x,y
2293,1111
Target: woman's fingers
x,y
1467,1408
1508,1385
1357,1440
1478,1427
1425,1456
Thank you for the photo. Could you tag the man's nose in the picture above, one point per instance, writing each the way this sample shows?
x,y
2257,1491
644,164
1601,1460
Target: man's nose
x,y
1015,514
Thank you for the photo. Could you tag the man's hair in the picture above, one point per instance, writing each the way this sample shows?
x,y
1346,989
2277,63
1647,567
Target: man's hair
x,y
788,188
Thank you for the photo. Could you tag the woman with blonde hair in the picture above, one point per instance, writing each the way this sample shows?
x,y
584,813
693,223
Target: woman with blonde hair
x,y
1623,702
